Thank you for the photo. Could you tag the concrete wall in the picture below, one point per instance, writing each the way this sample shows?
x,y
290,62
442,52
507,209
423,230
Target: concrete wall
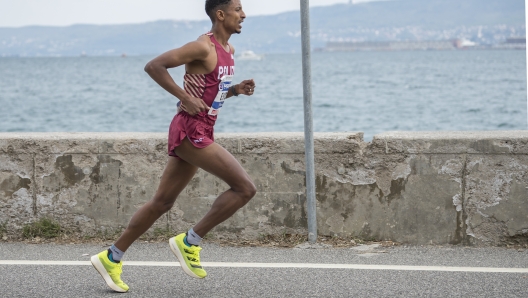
x,y
416,188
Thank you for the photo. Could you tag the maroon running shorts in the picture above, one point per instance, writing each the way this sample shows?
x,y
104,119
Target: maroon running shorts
x,y
198,129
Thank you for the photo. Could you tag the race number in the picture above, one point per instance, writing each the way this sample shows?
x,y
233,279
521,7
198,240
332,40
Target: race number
x,y
223,89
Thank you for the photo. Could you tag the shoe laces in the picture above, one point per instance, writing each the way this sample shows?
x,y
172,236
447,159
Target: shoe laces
x,y
193,254
117,272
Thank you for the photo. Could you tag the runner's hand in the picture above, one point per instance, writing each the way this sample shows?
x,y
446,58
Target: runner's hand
x,y
247,87
193,106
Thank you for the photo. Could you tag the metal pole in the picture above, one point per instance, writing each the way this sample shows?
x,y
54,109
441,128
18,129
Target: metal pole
x,y
308,122
526,35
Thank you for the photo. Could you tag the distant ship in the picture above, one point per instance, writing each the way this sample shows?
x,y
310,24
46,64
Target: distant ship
x,y
464,43
250,55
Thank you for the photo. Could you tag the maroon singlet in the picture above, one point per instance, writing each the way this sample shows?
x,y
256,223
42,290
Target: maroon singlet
x,y
199,129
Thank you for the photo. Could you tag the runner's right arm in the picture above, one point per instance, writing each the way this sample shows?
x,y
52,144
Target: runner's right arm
x,y
157,70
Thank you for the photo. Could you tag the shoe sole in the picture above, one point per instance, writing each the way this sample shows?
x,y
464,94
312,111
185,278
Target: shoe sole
x,y
178,254
101,269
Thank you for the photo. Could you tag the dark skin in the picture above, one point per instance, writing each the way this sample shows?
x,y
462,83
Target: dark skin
x,y
199,57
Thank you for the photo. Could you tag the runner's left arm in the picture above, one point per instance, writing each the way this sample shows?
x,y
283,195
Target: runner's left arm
x,y
246,87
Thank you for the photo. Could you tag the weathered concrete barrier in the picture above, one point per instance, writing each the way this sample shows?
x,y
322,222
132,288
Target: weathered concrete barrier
x,y
416,188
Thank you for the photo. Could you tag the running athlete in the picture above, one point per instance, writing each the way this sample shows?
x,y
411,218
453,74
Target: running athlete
x,y
209,65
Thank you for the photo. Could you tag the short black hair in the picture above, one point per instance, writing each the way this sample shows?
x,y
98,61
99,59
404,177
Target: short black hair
x,y
212,5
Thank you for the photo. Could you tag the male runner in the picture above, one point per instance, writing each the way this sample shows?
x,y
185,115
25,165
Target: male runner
x,y
209,65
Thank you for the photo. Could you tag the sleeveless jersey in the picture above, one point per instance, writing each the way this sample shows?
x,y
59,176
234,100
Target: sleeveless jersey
x,y
212,87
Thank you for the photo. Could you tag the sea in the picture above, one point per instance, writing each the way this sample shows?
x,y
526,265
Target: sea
x,y
371,92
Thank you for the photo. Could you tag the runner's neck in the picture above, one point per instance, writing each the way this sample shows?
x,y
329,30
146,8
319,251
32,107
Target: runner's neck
x,y
221,36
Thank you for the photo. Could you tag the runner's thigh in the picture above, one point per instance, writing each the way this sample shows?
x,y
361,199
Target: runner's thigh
x,y
215,160
177,174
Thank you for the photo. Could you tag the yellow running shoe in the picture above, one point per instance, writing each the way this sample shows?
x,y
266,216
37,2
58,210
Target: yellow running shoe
x,y
110,271
189,257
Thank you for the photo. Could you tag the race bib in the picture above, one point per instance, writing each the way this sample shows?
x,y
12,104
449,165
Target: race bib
x,y
223,89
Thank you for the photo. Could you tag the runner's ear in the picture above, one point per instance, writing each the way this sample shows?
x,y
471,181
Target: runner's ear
x,y
220,15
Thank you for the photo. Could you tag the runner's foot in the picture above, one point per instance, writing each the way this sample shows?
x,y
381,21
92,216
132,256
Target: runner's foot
x,y
189,257
110,271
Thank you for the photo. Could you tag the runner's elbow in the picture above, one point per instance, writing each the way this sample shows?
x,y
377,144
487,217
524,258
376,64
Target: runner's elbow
x,y
149,68
153,66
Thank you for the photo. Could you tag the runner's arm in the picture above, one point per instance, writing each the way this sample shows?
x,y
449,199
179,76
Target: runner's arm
x,y
158,71
246,87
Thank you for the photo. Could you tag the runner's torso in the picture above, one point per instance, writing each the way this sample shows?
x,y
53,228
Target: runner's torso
x,y
212,87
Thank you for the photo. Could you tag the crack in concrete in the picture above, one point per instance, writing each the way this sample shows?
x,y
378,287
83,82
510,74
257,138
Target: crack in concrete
x,y
461,224
34,192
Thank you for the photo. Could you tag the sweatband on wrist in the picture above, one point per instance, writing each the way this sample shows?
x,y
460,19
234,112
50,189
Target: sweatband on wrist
x,y
233,90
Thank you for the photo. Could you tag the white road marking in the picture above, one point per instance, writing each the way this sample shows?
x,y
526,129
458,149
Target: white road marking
x,y
280,265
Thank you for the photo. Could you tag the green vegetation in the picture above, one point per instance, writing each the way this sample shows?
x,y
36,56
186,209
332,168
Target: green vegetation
x,y
210,236
282,240
44,228
365,239
163,234
3,229
108,234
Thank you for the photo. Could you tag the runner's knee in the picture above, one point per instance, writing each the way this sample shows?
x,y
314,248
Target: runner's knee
x,y
162,205
248,191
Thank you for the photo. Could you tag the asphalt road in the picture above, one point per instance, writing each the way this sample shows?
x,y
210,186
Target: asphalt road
x,y
391,278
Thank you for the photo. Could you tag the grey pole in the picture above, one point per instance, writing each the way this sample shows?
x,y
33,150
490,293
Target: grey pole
x,y
526,35
308,122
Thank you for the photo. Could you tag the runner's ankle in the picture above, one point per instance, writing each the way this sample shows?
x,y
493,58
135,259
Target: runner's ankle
x,y
192,238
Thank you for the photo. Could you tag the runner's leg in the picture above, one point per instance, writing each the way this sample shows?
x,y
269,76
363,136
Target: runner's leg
x,y
177,174
219,162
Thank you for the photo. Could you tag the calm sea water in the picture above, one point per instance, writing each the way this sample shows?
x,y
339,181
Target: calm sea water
x,y
371,92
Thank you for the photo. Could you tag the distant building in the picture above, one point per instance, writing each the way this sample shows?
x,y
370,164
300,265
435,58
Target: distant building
x,y
395,45
516,40
512,43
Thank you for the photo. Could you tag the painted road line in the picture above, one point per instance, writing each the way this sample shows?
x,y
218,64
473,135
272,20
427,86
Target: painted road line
x,y
280,265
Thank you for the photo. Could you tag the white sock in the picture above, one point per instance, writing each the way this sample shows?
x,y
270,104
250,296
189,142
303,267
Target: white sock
x,y
117,254
193,238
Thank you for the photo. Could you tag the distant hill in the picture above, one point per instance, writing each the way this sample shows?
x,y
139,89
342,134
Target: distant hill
x,y
431,14
485,21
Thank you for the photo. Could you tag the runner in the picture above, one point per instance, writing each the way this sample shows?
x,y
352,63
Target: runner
x,y
209,65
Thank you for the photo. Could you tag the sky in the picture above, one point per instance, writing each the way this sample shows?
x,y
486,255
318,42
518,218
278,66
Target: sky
x,y
18,13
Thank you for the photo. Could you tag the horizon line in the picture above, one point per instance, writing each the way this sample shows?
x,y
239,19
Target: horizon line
x,y
180,20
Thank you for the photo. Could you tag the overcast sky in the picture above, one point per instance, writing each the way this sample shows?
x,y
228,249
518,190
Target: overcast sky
x,y
17,13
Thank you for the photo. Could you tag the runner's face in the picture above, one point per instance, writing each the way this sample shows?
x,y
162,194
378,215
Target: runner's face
x,y
234,16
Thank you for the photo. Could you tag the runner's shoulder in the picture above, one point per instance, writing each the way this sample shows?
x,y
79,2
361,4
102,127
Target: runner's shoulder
x,y
202,46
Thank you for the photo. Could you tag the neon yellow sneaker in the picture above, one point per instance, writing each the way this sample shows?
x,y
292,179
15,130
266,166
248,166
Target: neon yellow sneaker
x,y
110,271
189,257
